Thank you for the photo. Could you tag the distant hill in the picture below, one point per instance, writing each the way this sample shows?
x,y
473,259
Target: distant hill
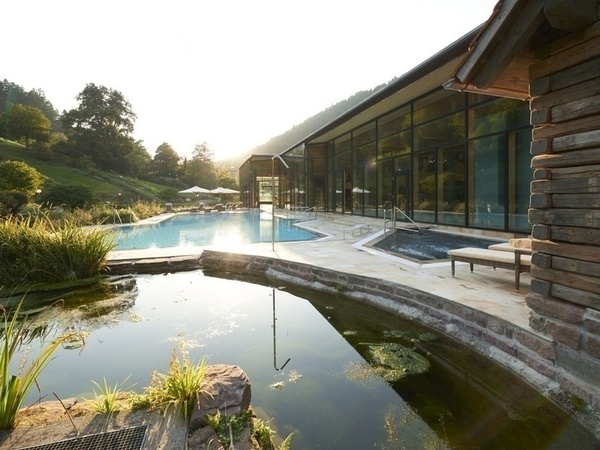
x,y
295,134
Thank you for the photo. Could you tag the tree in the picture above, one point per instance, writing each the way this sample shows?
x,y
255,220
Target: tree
x,y
101,128
166,161
225,179
101,109
26,122
12,94
19,176
200,170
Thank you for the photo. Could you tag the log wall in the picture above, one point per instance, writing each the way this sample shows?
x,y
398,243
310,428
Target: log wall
x,y
565,200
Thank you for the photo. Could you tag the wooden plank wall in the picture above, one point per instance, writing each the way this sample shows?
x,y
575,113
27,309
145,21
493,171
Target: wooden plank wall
x,y
565,199
565,193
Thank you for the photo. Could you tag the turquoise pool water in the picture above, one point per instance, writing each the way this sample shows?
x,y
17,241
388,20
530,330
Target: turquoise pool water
x,y
185,230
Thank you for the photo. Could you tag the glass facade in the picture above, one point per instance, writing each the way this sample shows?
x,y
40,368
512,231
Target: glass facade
x,y
445,158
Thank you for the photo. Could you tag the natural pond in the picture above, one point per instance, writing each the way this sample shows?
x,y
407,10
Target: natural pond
x,y
336,373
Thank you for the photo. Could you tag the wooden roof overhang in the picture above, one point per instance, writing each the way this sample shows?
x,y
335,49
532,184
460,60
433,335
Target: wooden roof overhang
x,y
500,56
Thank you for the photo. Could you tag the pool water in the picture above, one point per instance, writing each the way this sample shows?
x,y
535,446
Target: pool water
x,y
229,228
428,245
313,362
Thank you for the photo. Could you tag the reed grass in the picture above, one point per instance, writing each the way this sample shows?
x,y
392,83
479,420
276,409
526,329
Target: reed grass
x,y
180,387
107,398
14,387
38,250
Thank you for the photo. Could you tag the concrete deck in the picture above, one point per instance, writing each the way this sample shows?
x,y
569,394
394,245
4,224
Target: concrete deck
x,y
488,290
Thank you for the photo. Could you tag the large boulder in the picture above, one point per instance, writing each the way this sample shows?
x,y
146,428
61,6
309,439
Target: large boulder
x,y
227,392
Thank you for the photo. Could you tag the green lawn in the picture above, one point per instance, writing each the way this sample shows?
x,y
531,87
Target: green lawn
x,y
106,186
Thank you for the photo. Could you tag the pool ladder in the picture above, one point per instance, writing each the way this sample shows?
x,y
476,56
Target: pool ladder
x,y
392,219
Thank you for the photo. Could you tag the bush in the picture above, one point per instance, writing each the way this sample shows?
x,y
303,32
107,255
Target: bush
x,y
69,195
11,201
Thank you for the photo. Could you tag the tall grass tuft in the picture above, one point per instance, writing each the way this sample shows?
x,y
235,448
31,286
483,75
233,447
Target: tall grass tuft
x,y
180,387
107,397
38,250
14,387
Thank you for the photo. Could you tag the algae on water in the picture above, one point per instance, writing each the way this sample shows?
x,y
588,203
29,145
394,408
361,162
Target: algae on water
x,y
394,361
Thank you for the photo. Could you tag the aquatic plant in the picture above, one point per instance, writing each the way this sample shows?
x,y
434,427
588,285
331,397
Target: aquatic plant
x,y
14,387
107,398
179,388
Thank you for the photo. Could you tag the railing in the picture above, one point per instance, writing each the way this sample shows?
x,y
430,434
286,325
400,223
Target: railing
x,y
306,212
392,219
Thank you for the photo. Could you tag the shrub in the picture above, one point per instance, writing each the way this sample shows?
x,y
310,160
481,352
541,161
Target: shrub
x,y
69,195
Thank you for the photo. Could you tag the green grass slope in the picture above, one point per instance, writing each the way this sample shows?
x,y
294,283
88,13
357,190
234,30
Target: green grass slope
x,y
106,186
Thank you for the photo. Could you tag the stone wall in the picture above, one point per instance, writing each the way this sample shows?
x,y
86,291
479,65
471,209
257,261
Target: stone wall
x,y
528,354
565,205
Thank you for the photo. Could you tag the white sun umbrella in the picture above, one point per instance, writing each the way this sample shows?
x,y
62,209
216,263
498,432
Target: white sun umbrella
x,y
222,190
358,190
195,190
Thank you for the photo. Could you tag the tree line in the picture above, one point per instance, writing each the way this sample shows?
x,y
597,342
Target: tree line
x,y
97,135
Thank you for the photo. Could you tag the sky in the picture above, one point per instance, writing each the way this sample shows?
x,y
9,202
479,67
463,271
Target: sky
x,y
228,73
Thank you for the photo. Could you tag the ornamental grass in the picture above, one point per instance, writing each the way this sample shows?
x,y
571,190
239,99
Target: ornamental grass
x,y
37,250
15,386
178,389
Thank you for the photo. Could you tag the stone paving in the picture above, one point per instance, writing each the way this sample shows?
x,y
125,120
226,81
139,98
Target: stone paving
x,y
345,247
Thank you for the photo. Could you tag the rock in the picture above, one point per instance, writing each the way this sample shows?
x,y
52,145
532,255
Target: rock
x,y
204,438
228,392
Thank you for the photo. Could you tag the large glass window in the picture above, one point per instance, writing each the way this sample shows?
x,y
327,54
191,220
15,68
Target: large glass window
x,y
438,104
370,187
496,116
425,186
519,179
448,157
441,132
385,176
393,132
316,187
487,188
452,177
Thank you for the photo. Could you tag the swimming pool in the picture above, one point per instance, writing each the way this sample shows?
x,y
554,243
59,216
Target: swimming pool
x,y
184,230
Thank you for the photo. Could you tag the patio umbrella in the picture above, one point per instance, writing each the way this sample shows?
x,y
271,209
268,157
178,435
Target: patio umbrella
x,y
221,190
194,190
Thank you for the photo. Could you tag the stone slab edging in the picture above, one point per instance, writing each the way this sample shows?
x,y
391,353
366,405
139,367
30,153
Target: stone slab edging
x,y
527,354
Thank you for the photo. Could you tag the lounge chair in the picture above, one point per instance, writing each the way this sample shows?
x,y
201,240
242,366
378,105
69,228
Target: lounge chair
x,y
517,260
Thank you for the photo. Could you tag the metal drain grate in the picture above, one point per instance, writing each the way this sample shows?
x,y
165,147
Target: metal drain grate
x,y
125,439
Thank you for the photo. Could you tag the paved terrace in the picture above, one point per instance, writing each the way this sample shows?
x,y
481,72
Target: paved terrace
x,y
488,290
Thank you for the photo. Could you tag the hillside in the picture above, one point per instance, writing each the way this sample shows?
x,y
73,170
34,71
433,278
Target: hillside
x,y
295,134
107,187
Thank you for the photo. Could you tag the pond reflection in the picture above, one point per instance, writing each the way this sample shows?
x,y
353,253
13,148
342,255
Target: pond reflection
x,y
336,373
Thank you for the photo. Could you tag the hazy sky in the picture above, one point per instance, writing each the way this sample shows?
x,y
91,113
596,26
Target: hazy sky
x,y
231,73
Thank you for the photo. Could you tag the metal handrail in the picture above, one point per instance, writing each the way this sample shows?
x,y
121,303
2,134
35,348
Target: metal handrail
x,y
393,220
301,209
